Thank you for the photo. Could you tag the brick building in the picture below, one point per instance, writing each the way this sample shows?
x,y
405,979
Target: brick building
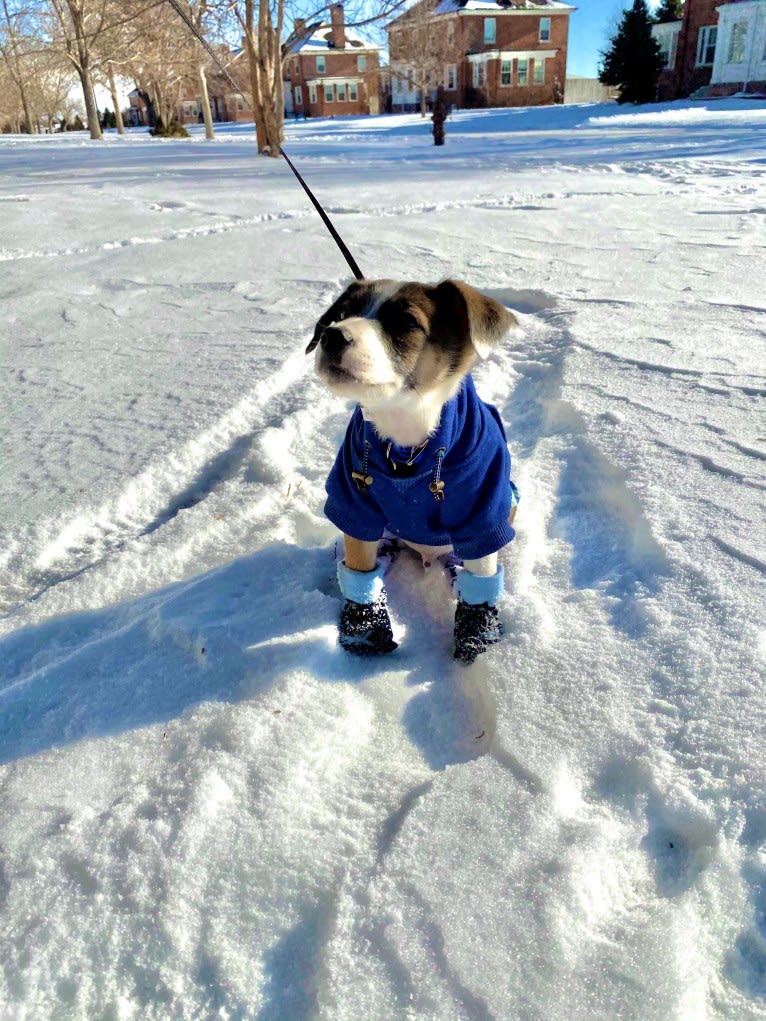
x,y
331,71
718,48
695,50
481,52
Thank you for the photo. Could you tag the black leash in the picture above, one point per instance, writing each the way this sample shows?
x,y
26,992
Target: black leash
x,y
184,16
326,220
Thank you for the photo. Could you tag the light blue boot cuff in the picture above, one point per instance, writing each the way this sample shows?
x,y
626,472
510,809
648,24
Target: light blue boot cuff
x,y
474,589
360,586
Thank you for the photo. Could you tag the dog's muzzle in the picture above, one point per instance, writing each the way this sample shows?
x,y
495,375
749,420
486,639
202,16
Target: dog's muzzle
x,y
333,342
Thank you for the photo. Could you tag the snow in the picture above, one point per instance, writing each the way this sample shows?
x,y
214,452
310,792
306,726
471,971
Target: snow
x,y
208,811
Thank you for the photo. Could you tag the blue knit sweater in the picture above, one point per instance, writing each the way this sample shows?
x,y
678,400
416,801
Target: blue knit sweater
x,y
476,469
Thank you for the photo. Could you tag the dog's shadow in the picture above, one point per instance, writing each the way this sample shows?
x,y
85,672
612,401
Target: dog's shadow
x,y
227,635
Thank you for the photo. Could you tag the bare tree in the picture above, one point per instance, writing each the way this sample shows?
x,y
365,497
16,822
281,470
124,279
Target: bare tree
x,y
80,23
164,62
17,42
198,14
260,23
420,50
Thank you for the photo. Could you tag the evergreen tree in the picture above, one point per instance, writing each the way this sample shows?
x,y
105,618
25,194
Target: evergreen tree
x,y
670,10
633,62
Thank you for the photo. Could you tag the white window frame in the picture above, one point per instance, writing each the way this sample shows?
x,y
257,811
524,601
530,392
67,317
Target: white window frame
x,y
506,71
361,61
479,74
329,94
450,78
340,90
490,30
704,44
298,96
522,81
312,94
353,92
545,32
538,72
321,64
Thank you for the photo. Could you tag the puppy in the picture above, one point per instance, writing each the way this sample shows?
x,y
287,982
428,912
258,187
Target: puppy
x,y
424,460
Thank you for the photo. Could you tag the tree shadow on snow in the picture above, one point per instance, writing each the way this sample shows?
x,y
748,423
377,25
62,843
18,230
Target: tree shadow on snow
x,y
147,661
226,635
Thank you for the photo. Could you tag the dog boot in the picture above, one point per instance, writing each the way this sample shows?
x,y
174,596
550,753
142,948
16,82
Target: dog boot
x,y
477,622
365,627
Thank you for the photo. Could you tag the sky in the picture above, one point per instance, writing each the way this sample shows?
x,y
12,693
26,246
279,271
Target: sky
x,y
590,29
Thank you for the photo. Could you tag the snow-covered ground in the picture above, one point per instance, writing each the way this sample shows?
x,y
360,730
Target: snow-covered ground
x,y
208,811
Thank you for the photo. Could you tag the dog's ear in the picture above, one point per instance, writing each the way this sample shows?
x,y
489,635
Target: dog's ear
x,y
351,302
483,320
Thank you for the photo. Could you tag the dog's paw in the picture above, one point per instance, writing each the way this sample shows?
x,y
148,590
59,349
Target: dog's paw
x,y
365,628
477,626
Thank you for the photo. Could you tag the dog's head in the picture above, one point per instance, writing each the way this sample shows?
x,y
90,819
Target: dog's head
x,y
382,338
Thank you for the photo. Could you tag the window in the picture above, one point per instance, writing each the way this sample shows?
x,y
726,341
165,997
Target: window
x,y
298,96
352,92
479,74
506,72
312,94
321,65
737,42
706,45
451,78
361,62
341,87
523,72
545,30
668,45
328,93
490,30
450,33
539,75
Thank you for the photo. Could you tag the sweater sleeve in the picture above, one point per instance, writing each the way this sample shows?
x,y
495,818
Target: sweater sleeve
x,y
354,513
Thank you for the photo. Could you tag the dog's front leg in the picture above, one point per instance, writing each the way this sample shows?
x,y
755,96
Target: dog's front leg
x,y
365,627
359,555
477,623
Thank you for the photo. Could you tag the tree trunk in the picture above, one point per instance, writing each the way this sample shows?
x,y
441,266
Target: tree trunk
x,y
207,114
91,110
115,100
265,64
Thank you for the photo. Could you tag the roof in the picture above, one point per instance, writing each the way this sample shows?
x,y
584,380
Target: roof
x,y
452,6
436,7
320,40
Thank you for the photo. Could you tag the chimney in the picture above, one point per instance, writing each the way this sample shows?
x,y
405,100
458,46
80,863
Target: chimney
x,y
299,27
337,27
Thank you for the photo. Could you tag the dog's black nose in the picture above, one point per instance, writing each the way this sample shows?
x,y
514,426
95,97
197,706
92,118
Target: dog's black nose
x,y
333,340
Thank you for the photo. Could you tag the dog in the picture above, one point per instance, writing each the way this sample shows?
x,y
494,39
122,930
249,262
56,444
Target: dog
x,y
424,459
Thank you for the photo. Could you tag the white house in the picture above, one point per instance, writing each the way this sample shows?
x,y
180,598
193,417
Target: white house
x,y
740,52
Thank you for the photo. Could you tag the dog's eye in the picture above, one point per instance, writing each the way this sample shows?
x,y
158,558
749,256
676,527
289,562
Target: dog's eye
x,y
408,322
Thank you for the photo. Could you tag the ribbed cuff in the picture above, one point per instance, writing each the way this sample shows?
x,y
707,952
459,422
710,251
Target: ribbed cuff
x,y
347,522
488,542
360,586
474,589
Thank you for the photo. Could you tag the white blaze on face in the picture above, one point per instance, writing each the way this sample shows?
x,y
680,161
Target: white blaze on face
x,y
366,357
